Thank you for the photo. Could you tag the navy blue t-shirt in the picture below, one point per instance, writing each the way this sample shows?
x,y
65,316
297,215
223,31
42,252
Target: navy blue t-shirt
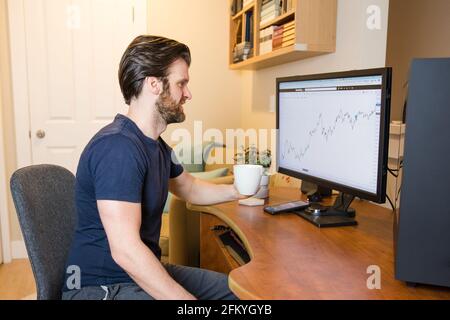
x,y
119,163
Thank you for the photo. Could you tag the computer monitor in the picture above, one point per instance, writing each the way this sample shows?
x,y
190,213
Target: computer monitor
x,y
333,130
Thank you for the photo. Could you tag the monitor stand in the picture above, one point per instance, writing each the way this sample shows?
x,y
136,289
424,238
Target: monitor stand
x,y
338,215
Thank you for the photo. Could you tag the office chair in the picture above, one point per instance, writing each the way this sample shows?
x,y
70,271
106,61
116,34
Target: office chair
x,y
44,199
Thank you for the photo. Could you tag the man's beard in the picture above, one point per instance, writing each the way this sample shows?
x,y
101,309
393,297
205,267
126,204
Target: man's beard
x,y
169,109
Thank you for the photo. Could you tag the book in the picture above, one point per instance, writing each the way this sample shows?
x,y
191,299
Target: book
x,y
288,29
288,32
249,26
236,6
265,47
267,33
279,30
265,38
289,5
277,34
289,24
275,3
269,12
239,31
289,37
242,51
288,43
270,18
277,42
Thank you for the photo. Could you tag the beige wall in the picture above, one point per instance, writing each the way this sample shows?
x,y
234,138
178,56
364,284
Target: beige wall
x,y
7,111
417,29
203,26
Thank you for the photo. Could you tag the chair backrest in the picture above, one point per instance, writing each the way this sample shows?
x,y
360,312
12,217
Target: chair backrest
x,y
44,197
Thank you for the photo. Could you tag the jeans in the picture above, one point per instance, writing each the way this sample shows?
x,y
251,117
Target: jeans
x,y
203,284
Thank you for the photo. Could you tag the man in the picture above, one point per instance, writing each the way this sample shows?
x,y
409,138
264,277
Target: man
x,y
123,178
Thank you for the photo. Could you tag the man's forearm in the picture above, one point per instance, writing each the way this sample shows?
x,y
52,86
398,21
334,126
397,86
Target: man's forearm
x,y
205,193
149,274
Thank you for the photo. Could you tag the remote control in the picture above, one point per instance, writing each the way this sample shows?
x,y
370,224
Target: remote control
x,y
286,207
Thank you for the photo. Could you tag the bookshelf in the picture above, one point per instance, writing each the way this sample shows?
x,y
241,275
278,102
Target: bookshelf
x,y
266,33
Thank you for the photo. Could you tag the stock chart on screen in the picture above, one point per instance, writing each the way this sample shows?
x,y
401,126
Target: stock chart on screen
x,y
330,129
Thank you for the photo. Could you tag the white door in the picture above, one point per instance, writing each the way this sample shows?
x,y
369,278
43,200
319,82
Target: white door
x,y
73,53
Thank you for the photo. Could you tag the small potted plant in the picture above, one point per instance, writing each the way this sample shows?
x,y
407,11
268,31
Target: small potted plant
x,y
251,155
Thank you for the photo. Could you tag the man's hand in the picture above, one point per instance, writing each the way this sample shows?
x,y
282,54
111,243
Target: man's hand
x,y
235,195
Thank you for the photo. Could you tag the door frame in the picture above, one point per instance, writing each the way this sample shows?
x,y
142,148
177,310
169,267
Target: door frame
x,y
19,75
4,212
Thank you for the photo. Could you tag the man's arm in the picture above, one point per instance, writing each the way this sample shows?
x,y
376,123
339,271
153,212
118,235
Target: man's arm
x,y
200,192
122,222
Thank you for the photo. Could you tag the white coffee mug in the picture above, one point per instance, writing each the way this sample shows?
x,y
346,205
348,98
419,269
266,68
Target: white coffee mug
x,y
247,178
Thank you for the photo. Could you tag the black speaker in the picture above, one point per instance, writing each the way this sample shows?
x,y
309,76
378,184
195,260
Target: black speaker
x,y
423,231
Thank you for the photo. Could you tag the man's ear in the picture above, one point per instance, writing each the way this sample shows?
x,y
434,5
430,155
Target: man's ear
x,y
154,85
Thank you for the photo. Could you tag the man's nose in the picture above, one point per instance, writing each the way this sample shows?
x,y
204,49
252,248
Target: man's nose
x,y
187,93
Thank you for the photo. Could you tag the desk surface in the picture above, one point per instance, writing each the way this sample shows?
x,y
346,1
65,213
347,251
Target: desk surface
x,y
293,259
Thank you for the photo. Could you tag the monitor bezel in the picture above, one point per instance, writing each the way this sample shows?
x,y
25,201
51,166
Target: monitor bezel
x,y
380,195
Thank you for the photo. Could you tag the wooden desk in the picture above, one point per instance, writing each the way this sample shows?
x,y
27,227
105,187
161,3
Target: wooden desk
x,y
293,259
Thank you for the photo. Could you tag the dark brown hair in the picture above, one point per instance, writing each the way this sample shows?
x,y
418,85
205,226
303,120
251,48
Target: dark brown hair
x,y
148,56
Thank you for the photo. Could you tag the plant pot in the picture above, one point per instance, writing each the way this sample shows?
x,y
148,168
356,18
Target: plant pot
x,y
263,191
265,180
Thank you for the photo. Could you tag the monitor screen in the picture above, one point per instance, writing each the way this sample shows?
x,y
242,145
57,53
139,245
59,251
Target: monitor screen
x,y
333,129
